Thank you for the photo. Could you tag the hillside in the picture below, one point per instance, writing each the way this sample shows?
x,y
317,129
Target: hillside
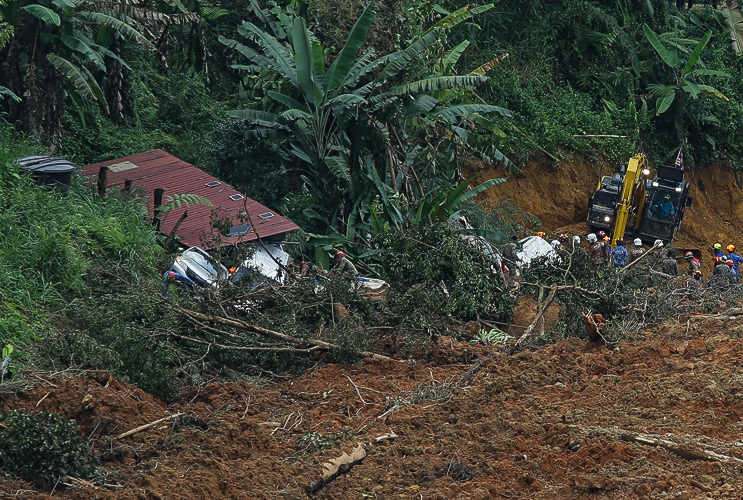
x,y
471,423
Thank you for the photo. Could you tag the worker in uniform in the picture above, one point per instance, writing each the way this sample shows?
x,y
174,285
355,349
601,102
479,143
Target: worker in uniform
x,y
637,250
596,252
172,277
619,255
717,250
736,260
669,265
342,266
664,208
695,267
721,275
306,267
511,258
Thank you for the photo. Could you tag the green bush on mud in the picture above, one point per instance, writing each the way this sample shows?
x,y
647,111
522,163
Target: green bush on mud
x,y
44,448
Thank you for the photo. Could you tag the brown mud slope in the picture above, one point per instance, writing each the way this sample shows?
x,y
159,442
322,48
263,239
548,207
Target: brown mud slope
x,y
559,422
558,196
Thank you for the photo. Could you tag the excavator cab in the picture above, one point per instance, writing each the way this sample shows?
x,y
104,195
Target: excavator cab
x,y
667,198
602,206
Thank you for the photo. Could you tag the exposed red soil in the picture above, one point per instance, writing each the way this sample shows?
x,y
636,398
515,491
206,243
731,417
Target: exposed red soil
x,y
471,422
558,196
525,426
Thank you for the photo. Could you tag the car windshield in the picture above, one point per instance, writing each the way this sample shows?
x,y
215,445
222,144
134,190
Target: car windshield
x,y
207,263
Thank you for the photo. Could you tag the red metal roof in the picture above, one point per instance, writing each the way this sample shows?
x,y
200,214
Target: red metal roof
x,y
157,169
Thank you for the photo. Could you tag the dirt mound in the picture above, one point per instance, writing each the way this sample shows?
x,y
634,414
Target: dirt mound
x,y
557,422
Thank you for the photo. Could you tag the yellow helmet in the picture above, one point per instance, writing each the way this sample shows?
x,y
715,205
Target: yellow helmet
x,y
731,248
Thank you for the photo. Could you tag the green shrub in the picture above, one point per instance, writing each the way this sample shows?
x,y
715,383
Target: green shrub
x,y
44,448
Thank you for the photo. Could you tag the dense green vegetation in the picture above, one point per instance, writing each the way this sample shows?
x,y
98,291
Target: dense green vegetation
x,y
351,118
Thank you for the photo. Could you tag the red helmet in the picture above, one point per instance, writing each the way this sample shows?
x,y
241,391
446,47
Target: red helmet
x,y
601,234
339,254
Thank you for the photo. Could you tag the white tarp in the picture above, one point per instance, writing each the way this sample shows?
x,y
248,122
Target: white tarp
x,y
534,247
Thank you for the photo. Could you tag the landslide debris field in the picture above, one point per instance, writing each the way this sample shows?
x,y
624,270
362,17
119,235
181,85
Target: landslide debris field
x,y
657,416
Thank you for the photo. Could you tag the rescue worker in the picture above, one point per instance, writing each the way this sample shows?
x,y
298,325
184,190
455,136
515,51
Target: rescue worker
x,y
306,267
596,252
717,250
669,265
722,275
657,257
695,267
737,260
637,251
664,208
172,277
511,258
342,266
619,255
606,244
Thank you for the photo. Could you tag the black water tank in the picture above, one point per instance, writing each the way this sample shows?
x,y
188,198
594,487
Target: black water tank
x,y
48,170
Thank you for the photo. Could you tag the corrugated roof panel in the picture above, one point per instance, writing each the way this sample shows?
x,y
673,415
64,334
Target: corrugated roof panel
x,y
158,169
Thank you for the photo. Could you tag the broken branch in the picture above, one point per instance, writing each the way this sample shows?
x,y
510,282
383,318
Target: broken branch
x,y
147,426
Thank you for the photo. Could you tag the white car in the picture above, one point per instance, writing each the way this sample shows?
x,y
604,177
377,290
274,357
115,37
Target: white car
x,y
201,267
267,264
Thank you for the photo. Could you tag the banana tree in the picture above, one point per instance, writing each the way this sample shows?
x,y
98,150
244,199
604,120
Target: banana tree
x,y
338,119
685,75
55,52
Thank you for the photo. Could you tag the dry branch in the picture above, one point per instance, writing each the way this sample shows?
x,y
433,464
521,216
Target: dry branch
x,y
550,298
313,344
342,464
147,426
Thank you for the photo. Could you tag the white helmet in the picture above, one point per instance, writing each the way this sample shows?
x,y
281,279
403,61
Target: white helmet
x,y
658,243
576,239
591,237
555,244
637,242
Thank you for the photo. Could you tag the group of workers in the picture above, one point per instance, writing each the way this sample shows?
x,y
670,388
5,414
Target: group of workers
x,y
341,266
726,270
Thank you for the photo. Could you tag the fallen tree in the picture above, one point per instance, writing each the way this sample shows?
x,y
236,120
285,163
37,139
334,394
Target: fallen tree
x,y
286,343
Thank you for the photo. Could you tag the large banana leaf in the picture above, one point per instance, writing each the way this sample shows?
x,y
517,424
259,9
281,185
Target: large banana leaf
x,y
342,65
664,102
400,60
668,57
451,57
117,25
437,83
279,56
77,44
458,16
287,101
248,52
713,92
696,54
43,13
303,59
73,74
452,112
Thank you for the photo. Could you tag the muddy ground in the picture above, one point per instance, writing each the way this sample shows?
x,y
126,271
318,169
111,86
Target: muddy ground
x,y
547,422
657,415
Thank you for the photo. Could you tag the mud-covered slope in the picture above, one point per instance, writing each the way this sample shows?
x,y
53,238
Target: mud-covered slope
x,y
558,195
540,424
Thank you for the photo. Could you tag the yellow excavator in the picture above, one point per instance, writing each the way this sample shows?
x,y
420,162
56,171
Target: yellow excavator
x,y
631,203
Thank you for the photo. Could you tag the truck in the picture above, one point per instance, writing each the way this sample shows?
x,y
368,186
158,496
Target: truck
x,y
631,204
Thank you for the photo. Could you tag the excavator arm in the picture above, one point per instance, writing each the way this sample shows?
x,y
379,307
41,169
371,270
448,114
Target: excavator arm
x,y
633,191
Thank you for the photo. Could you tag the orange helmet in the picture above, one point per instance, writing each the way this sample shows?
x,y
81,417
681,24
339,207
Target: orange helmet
x,y
731,248
540,234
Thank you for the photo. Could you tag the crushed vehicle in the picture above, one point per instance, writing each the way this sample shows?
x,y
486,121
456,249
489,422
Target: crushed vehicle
x,y
201,267
266,265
